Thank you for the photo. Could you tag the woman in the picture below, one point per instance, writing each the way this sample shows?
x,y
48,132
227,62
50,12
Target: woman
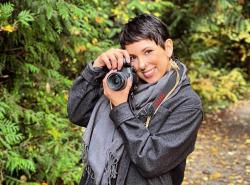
x,y
141,135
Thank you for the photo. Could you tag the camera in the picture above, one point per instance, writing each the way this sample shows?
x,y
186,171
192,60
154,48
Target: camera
x,y
118,80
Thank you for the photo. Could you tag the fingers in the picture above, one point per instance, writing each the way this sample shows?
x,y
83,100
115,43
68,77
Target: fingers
x,y
119,61
125,55
105,60
105,85
113,59
129,84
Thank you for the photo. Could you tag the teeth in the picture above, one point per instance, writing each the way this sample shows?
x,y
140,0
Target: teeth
x,y
149,71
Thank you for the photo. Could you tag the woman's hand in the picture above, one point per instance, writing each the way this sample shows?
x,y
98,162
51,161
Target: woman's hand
x,y
112,58
116,97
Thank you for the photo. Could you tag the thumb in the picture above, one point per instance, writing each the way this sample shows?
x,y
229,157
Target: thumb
x,y
129,82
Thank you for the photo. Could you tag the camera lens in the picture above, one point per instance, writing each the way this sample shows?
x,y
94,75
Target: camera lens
x,y
116,81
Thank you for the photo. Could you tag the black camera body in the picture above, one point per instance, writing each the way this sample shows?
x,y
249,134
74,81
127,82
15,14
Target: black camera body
x,y
118,80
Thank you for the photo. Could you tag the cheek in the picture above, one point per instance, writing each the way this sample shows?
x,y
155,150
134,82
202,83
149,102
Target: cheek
x,y
135,65
154,59
140,75
138,72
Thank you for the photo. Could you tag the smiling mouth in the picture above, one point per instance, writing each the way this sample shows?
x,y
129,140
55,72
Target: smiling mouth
x,y
149,73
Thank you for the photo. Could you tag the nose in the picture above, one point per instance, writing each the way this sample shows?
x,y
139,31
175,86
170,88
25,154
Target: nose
x,y
142,64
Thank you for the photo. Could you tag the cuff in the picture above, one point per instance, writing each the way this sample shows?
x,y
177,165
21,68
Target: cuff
x,y
92,74
121,113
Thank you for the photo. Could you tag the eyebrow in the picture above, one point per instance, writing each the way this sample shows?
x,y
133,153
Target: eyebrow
x,y
145,48
142,50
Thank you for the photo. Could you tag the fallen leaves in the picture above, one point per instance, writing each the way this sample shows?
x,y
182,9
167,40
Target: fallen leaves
x,y
215,175
8,28
247,141
222,152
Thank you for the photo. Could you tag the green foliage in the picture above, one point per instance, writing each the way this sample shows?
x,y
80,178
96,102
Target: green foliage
x,y
40,146
217,87
222,33
6,11
9,133
45,44
16,162
24,17
10,138
38,143
42,43
213,40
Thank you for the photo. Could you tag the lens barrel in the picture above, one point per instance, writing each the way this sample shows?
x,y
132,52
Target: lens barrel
x,y
117,81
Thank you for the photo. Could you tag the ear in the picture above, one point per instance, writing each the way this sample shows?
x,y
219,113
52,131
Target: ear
x,y
169,47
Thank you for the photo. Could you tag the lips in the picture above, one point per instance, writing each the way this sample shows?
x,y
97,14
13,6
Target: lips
x,y
149,73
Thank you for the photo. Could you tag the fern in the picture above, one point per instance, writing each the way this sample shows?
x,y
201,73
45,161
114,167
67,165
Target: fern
x,y
24,17
32,52
31,117
207,55
32,68
17,162
63,9
49,11
9,133
3,109
58,25
54,74
76,11
6,10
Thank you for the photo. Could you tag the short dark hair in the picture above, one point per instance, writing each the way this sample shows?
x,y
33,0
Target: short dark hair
x,y
144,26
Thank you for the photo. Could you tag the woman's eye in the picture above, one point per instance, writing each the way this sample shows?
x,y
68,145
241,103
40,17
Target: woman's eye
x,y
132,58
148,51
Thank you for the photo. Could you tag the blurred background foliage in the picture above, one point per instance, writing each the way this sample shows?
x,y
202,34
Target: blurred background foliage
x,y
45,44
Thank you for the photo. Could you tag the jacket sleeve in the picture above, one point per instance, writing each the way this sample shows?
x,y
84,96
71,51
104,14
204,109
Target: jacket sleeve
x,y
156,154
83,95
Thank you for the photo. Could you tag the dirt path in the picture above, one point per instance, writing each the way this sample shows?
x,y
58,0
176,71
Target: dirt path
x,y
222,154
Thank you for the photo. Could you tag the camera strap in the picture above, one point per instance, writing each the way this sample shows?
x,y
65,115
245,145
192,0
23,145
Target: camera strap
x,y
166,92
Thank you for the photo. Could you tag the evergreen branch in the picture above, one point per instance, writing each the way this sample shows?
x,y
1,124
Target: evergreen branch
x,y
24,17
5,144
6,10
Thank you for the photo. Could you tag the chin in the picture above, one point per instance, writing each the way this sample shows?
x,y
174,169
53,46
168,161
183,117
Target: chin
x,y
150,81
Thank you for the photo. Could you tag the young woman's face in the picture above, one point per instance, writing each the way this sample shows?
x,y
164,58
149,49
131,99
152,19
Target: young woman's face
x,y
150,60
